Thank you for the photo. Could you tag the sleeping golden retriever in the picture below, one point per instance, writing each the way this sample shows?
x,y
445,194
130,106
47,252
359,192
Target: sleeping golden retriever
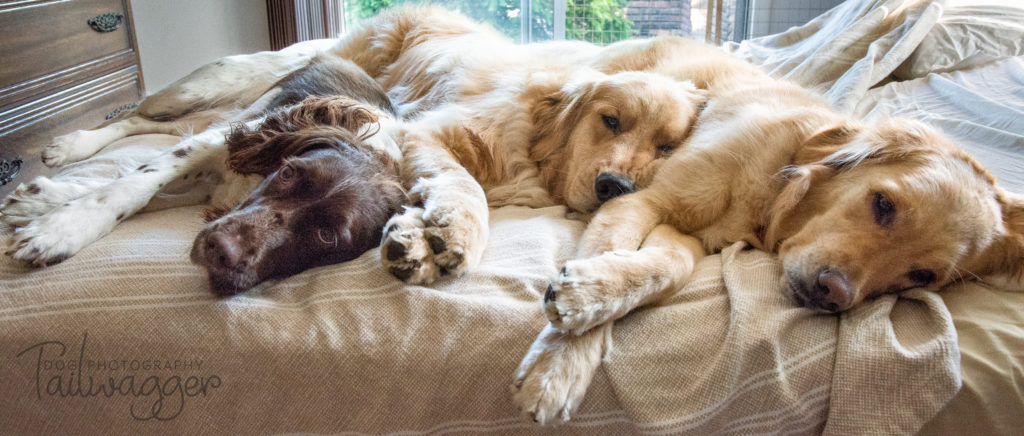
x,y
853,211
495,123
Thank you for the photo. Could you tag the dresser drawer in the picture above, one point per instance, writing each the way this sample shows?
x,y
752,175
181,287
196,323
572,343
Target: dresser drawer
x,y
55,38
25,129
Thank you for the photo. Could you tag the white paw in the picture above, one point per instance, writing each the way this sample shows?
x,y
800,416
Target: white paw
x,y
58,234
554,375
419,252
72,147
31,201
587,293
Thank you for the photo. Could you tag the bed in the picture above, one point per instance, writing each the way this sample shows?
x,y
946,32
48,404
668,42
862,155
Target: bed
x,y
126,337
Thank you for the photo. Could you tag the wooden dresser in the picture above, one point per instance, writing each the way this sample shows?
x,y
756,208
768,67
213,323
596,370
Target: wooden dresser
x,y
64,65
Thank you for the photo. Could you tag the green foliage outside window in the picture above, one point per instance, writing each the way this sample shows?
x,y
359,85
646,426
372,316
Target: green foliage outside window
x,y
600,21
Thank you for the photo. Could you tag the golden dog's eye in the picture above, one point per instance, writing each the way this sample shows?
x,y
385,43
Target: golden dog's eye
x,y
666,148
612,123
884,209
327,236
921,277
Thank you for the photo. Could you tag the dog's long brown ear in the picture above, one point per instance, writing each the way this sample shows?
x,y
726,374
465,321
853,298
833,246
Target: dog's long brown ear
x,y
261,150
825,142
336,111
291,131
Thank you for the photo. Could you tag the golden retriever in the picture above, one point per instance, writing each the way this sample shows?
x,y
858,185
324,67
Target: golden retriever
x,y
495,123
852,210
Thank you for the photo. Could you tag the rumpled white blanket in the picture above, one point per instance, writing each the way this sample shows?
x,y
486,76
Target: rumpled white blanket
x,y
847,50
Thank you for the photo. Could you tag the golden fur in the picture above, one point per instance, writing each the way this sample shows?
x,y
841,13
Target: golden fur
x,y
853,211
495,123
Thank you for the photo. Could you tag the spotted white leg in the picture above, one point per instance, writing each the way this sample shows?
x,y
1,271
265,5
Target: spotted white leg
x,y
63,231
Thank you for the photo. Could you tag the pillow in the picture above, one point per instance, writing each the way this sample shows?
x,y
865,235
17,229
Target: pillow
x,y
965,37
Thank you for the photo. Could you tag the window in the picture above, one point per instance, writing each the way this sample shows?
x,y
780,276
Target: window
x,y
598,21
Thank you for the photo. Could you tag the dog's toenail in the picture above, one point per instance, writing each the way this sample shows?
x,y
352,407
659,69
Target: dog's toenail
x,y
549,295
395,250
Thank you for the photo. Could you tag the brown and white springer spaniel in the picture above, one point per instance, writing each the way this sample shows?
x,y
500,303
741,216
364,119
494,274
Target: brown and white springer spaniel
x,y
307,176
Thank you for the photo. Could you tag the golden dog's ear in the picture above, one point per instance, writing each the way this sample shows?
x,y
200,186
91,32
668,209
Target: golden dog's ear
x,y
1004,258
798,182
896,139
552,115
825,143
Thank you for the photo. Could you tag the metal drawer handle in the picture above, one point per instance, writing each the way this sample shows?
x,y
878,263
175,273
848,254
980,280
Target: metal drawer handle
x,y
9,170
108,22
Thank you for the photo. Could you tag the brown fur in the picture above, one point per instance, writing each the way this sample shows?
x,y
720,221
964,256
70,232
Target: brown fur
x,y
287,133
325,198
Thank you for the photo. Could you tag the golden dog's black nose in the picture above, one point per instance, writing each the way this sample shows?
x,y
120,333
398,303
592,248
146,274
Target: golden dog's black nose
x,y
611,185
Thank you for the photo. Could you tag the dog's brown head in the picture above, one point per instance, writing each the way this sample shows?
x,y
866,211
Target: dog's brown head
x,y
325,198
601,136
869,211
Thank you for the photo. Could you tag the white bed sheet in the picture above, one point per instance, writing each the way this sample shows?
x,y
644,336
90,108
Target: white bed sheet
x,y
982,109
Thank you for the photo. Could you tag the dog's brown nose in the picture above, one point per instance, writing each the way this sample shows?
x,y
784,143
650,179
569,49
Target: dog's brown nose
x,y
224,250
611,185
832,291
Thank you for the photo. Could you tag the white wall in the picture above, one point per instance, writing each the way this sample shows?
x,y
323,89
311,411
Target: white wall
x,y
177,36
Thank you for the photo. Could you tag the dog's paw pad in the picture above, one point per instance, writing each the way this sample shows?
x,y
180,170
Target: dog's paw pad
x,y
405,252
449,257
394,250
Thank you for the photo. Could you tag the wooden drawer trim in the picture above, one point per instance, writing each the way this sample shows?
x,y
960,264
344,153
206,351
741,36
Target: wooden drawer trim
x,y
23,116
17,93
10,6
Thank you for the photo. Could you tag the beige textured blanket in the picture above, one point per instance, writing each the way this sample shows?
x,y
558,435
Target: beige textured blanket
x,y
125,336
